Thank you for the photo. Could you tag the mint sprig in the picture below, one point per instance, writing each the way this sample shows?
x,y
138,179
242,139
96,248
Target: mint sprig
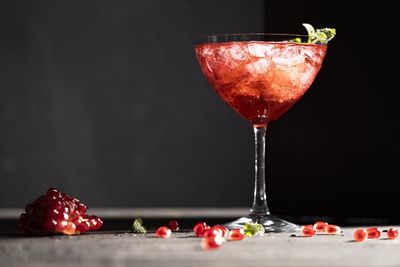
x,y
138,227
319,36
253,229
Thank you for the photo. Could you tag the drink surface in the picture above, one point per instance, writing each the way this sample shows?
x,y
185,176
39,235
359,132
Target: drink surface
x,y
260,80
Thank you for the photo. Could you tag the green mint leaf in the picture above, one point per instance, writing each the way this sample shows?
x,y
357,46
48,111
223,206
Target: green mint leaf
x,y
253,229
329,33
319,36
137,226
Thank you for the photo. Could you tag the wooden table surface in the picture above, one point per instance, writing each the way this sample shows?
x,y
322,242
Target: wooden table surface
x,y
119,247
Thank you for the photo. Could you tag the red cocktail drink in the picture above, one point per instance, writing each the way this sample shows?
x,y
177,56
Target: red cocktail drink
x,y
260,80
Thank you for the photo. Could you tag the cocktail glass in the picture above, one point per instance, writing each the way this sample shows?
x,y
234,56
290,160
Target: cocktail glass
x,y
260,76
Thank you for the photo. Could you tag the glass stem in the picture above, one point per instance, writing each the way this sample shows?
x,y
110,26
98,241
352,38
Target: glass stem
x,y
260,198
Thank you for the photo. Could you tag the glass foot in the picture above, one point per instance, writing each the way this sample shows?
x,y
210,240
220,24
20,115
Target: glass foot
x,y
270,223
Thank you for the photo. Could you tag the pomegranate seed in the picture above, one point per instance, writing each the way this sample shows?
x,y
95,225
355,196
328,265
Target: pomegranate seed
x,y
308,230
82,225
173,225
236,234
211,243
224,230
95,222
320,226
392,233
29,209
200,228
56,212
53,193
373,233
212,232
163,232
81,208
360,235
50,225
331,229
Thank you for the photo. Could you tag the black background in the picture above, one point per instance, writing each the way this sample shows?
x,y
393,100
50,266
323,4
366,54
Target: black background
x,y
105,100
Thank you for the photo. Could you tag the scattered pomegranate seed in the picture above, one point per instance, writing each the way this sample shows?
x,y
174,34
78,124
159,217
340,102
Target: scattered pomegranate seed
x,y
308,230
211,243
200,228
320,226
173,225
224,230
57,212
392,233
373,233
331,229
163,232
360,235
236,234
212,232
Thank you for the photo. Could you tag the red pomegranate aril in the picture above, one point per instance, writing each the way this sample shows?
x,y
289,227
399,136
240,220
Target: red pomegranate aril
x,y
53,193
200,228
212,243
173,225
308,230
331,229
50,225
236,234
81,208
163,232
75,214
320,226
95,222
82,226
212,232
392,233
224,230
29,209
360,235
373,233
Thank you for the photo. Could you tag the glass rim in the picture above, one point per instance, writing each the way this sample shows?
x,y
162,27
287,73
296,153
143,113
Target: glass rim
x,y
238,37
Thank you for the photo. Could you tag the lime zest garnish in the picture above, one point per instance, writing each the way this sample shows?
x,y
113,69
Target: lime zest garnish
x,y
253,229
319,36
138,227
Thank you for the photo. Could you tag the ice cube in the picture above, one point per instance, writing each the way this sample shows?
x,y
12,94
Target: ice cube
x,y
258,66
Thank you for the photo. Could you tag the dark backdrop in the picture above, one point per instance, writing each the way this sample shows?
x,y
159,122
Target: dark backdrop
x,y
105,100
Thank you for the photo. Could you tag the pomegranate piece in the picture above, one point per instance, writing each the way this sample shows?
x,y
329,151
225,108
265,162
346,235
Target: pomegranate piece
x,y
331,229
360,235
373,233
211,243
320,226
163,232
56,212
173,225
392,233
236,234
308,230
200,228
